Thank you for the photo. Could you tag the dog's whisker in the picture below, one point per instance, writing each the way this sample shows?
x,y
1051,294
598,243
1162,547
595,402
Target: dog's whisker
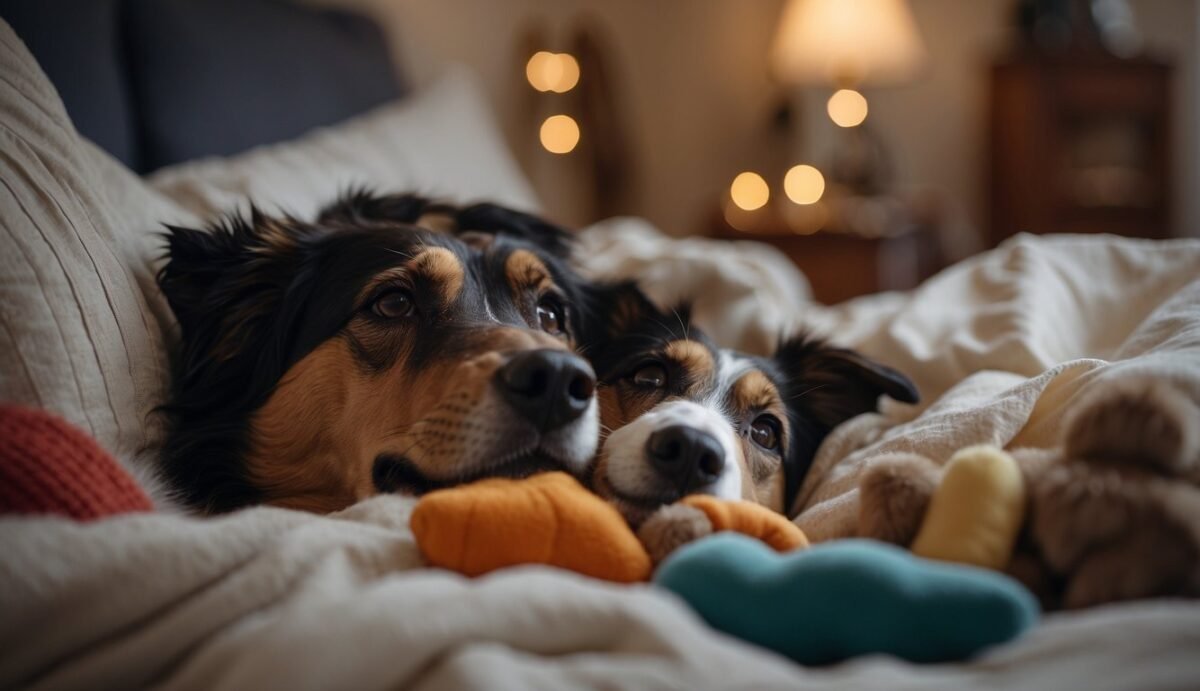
x,y
806,392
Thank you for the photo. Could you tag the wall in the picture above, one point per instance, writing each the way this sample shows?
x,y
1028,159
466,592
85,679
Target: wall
x,y
696,92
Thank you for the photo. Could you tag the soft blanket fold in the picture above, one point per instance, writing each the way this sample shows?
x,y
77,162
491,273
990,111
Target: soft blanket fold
x,y
1001,345
270,598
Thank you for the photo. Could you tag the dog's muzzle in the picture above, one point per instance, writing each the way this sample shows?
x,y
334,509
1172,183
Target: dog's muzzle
x,y
548,388
686,457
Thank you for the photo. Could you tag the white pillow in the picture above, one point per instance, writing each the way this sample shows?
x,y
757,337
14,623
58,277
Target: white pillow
x,y
442,141
82,325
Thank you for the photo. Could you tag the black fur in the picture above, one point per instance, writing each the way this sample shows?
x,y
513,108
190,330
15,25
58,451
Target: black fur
x,y
821,385
253,295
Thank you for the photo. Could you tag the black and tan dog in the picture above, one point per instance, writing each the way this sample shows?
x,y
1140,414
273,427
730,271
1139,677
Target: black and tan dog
x,y
682,416
365,352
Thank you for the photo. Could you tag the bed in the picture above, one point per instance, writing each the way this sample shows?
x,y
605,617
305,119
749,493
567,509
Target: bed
x,y
999,345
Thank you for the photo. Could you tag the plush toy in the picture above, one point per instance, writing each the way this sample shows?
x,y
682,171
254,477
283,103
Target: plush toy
x,y
975,514
48,466
698,516
546,519
1112,514
848,599
845,598
552,519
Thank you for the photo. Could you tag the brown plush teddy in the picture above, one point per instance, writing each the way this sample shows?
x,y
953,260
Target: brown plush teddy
x,y
1113,514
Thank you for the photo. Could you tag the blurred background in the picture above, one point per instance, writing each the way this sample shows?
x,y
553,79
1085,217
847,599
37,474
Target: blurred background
x,y
983,118
873,141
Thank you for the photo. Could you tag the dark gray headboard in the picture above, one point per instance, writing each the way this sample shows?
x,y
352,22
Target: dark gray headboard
x,y
156,82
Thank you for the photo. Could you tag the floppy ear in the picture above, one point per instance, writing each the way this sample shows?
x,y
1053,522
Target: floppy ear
x,y
226,282
196,261
833,385
611,310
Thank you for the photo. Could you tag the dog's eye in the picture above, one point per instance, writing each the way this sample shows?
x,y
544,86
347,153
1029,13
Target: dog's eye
x,y
650,376
393,304
765,432
550,316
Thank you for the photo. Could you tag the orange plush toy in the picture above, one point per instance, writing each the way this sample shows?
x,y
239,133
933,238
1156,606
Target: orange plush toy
x,y
551,519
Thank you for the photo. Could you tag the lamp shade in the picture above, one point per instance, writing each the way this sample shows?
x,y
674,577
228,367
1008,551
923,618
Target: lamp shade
x,y
846,42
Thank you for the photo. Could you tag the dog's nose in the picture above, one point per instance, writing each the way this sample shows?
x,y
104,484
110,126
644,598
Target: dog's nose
x,y
547,387
689,457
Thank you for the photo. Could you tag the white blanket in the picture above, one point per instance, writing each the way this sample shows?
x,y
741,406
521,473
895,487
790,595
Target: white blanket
x,y
273,598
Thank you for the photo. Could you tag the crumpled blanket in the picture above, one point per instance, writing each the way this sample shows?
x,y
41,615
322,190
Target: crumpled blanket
x,y
272,598
268,598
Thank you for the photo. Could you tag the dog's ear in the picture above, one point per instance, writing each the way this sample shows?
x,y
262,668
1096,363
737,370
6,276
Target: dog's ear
x,y
612,310
494,219
225,282
832,384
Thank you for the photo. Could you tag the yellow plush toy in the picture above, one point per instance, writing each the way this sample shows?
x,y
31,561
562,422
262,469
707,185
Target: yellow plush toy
x,y
551,519
975,514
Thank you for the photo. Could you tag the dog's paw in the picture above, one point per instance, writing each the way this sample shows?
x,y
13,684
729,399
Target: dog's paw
x,y
894,495
1116,533
672,527
1141,421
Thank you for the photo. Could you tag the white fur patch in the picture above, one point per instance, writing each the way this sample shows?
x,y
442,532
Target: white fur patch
x,y
627,470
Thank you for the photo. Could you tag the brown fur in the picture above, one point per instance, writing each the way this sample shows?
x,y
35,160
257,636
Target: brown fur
x,y
299,454
694,359
894,495
671,527
524,271
304,459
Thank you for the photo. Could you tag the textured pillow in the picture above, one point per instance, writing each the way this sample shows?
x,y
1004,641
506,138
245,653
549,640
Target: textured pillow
x,y
443,141
81,323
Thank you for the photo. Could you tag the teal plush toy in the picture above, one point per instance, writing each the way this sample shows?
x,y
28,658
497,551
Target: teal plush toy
x,y
845,598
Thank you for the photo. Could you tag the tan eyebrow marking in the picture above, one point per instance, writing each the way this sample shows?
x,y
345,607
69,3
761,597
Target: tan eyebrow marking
x,y
755,391
694,359
438,221
524,270
437,264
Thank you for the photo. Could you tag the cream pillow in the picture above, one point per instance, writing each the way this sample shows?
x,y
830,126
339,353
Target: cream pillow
x,y
442,141
82,325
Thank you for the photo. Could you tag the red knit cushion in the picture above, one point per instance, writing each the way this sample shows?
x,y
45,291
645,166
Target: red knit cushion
x,y
47,466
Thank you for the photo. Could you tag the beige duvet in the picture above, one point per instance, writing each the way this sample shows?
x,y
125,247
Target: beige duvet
x,y
273,598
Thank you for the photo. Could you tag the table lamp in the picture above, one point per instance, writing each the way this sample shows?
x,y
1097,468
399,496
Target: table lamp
x,y
846,45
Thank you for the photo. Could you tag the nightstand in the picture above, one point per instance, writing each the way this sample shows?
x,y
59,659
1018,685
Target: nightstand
x,y
845,249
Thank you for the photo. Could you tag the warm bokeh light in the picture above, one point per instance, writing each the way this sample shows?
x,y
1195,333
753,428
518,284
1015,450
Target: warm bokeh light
x,y
539,70
559,134
557,72
804,184
847,108
749,191
568,73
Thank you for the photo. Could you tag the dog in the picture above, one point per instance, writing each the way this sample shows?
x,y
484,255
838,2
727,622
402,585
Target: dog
x,y
681,416
394,344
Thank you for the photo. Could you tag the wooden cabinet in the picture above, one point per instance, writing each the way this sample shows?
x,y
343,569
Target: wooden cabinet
x,y
840,264
1080,145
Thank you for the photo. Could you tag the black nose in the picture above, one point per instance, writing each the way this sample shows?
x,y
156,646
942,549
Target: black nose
x,y
547,387
686,456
